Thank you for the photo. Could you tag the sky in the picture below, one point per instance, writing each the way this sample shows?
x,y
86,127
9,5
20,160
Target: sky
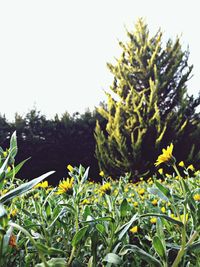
x,y
53,54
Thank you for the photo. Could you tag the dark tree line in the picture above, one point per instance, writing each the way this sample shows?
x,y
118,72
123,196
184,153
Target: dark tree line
x,y
53,144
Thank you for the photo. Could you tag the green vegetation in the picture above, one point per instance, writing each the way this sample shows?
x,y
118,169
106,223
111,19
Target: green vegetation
x,y
149,106
82,223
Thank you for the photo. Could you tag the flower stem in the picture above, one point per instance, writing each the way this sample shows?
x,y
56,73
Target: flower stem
x,y
183,232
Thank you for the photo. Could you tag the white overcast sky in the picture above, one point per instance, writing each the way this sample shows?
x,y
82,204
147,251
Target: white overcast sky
x,y
53,54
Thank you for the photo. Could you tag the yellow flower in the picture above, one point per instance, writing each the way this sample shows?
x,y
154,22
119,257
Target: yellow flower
x,y
70,168
66,186
163,209
196,197
116,191
168,204
105,188
85,201
126,190
141,191
160,171
154,202
36,195
191,167
8,169
181,164
4,192
197,173
142,197
5,153
14,212
101,173
42,185
134,229
153,220
135,204
166,156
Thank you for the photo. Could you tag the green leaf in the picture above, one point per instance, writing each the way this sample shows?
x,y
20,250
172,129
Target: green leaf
x,y
102,219
155,191
41,247
16,169
144,255
4,166
85,175
160,232
55,262
77,263
13,153
56,215
100,228
13,140
158,246
13,145
113,258
90,262
48,210
79,235
6,239
195,246
55,251
23,188
124,208
163,189
3,212
86,212
124,228
3,217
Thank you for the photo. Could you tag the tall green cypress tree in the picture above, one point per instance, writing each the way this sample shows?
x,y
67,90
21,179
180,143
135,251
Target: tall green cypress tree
x,y
149,105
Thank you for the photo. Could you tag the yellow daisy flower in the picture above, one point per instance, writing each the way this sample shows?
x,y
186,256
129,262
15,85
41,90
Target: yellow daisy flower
x,y
141,191
196,197
163,209
135,204
153,220
134,229
14,212
105,189
166,156
66,186
154,202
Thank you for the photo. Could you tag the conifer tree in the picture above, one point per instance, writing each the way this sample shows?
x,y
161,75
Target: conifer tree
x,y
148,106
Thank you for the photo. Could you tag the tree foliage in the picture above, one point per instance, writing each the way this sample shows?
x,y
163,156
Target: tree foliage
x,y
53,143
148,106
